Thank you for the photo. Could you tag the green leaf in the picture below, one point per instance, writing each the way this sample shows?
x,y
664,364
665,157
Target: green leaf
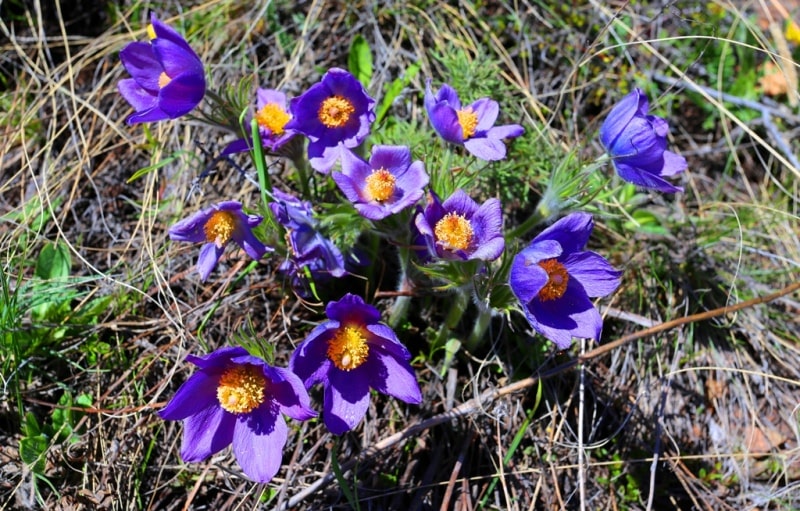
x,y
33,445
359,61
54,262
146,170
394,90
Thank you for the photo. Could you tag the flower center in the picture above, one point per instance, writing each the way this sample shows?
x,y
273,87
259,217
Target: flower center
x,y
454,232
219,228
163,80
380,185
348,348
151,32
241,389
272,117
468,121
335,111
557,279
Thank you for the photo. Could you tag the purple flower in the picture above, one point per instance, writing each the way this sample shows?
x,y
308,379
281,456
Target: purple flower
x,y
553,278
387,184
216,226
168,79
309,249
350,353
637,144
334,113
471,126
272,115
460,229
237,398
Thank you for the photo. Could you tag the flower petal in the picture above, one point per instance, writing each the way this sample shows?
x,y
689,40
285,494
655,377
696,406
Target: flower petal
x,y
489,149
571,232
139,98
310,359
141,63
487,111
346,400
206,432
620,116
196,394
207,261
593,271
258,440
393,377
645,179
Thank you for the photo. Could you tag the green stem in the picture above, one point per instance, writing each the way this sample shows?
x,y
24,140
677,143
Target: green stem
x,y
402,302
479,329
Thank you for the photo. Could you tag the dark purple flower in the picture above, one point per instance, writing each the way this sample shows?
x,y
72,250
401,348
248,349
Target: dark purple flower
x,y
471,126
553,278
308,248
237,398
168,78
637,144
460,229
334,113
350,353
272,115
387,184
216,226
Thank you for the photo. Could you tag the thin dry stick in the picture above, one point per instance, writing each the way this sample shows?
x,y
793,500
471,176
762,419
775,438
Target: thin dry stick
x,y
487,397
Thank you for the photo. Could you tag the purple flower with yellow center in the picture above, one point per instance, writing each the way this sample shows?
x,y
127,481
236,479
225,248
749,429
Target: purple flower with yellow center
x,y
351,353
471,126
460,229
553,278
335,113
235,398
637,144
167,81
387,184
217,226
272,115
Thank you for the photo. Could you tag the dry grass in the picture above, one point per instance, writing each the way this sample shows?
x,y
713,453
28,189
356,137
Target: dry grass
x,y
701,416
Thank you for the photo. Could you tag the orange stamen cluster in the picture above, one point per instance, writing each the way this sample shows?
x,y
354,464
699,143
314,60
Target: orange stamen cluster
x,y
557,279
151,32
335,111
163,80
468,121
348,348
454,232
380,185
220,227
241,389
272,117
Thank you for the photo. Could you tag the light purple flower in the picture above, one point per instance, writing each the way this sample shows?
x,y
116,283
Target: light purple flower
x,y
553,278
335,113
637,144
350,353
387,184
471,126
272,115
217,226
460,229
235,398
167,75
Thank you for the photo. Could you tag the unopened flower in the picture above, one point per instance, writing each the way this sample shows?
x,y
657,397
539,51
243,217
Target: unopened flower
x,y
553,278
387,184
459,228
167,81
217,226
235,398
272,115
349,354
471,126
335,113
637,144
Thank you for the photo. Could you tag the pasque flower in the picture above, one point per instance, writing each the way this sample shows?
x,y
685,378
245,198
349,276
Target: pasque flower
x,y
217,226
553,278
459,228
272,115
350,353
335,113
235,398
167,75
388,183
471,126
637,144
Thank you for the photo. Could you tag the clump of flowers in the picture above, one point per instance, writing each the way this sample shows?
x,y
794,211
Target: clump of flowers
x,y
168,80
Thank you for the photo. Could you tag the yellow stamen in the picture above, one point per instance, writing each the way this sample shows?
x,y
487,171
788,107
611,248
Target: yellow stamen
x,y
241,389
454,232
272,117
348,348
151,32
335,111
557,279
220,227
380,185
468,121
163,80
